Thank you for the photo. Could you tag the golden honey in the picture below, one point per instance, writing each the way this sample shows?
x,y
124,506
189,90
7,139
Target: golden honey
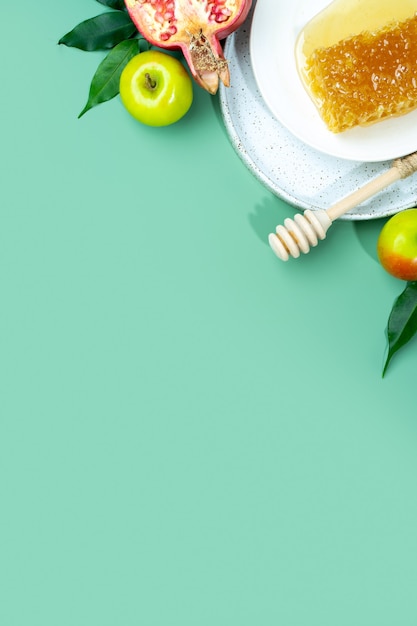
x,y
359,79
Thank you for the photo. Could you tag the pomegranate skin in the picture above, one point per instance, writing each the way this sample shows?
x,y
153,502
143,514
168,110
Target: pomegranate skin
x,y
196,27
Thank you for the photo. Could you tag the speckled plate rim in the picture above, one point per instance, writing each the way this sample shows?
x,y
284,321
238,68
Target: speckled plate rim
x,y
344,175
246,157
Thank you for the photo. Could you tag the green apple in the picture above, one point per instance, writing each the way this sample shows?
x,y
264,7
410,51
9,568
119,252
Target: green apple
x,y
397,245
156,88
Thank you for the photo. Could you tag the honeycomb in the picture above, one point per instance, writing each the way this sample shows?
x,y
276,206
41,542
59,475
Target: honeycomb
x,y
365,78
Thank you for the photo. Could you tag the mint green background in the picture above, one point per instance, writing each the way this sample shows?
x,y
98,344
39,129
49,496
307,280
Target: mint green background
x,y
192,433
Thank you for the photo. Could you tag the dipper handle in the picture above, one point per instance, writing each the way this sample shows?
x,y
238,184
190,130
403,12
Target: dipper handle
x,y
298,235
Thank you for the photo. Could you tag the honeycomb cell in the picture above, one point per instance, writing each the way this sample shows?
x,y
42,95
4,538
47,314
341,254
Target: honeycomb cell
x,y
365,78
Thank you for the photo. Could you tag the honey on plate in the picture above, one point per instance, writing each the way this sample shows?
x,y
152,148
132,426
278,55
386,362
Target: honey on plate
x,y
358,61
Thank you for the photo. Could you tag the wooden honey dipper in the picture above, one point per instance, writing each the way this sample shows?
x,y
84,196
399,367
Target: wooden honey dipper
x,y
305,230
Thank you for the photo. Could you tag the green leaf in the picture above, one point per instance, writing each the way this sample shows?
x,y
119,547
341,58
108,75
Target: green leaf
x,y
143,44
101,32
114,4
105,83
402,322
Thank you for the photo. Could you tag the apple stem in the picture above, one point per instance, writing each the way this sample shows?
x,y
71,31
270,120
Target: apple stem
x,y
149,84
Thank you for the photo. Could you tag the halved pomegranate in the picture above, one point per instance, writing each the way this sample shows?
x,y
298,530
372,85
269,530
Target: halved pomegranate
x,y
194,26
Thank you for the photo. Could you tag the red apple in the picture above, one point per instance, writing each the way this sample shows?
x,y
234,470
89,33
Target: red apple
x,y
397,245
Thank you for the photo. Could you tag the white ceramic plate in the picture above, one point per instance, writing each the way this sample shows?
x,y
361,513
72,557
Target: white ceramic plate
x,y
275,27
302,176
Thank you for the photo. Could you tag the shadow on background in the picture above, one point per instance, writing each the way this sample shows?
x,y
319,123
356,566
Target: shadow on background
x,y
267,215
367,233
215,102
